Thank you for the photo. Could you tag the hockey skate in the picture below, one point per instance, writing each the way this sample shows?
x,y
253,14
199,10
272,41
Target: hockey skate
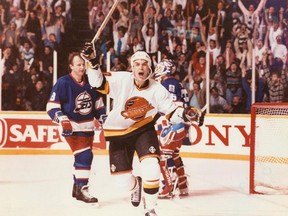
x,y
166,193
183,188
136,193
82,194
183,191
182,181
150,213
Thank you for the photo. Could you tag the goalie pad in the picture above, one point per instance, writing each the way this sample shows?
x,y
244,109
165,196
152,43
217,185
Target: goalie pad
x,y
169,178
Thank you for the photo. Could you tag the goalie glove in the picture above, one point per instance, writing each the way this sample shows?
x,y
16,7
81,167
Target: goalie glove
x,y
88,54
65,123
172,133
166,136
192,115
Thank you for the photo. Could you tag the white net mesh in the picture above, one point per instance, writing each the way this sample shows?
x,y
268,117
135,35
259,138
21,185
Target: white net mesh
x,y
271,150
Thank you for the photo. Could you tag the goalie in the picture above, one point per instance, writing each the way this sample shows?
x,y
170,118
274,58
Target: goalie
x,y
129,126
173,135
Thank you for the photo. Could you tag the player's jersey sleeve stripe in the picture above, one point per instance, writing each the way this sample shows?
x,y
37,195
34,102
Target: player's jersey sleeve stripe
x,y
105,89
52,105
119,132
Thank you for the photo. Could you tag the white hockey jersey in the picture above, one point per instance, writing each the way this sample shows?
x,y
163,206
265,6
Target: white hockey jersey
x,y
135,107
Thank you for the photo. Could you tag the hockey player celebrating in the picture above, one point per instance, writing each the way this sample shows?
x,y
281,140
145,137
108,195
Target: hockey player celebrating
x,y
129,126
172,135
74,106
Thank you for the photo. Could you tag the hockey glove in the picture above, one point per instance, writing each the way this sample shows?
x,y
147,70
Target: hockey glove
x,y
102,119
166,135
63,120
191,114
172,133
89,55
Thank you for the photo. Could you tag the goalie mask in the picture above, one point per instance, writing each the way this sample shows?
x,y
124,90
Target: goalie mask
x,y
141,55
164,68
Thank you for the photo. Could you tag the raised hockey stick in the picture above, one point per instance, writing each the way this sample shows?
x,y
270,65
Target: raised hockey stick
x,y
103,25
204,108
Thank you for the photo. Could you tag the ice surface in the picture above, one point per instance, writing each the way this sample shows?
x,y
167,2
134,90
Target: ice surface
x,y
41,185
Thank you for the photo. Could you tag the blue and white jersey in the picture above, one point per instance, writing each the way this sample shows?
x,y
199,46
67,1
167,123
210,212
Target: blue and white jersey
x,y
176,89
78,101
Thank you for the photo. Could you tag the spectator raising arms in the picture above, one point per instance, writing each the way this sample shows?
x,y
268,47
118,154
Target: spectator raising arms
x,y
276,81
186,31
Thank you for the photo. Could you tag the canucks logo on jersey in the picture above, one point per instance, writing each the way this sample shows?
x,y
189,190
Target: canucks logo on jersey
x,y
136,108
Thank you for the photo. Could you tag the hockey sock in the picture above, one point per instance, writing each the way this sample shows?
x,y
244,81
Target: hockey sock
x,y
150,201
82,166
151,180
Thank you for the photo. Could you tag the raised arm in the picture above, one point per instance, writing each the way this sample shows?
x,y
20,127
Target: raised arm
x,y
26,17
217,32
202,34
281,17
260,6
95,77
2,17
243,8
266,40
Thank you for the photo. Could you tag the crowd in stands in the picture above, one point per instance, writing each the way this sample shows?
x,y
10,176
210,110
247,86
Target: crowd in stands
x,y
236,34
30,30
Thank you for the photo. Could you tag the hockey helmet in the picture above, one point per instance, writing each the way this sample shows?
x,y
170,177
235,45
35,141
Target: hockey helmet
x,y
164,68
141,55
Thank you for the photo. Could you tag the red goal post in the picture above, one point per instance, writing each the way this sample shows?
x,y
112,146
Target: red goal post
x,y
269,148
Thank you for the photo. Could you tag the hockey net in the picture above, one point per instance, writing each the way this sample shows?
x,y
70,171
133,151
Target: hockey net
x,y
269,149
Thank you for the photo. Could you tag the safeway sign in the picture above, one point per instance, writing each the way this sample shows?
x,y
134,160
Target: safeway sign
x,y
34,131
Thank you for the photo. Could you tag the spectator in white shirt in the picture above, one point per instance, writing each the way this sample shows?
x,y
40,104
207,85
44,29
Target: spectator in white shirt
x,y
120,37
150,36
250,13
275,30
279,52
